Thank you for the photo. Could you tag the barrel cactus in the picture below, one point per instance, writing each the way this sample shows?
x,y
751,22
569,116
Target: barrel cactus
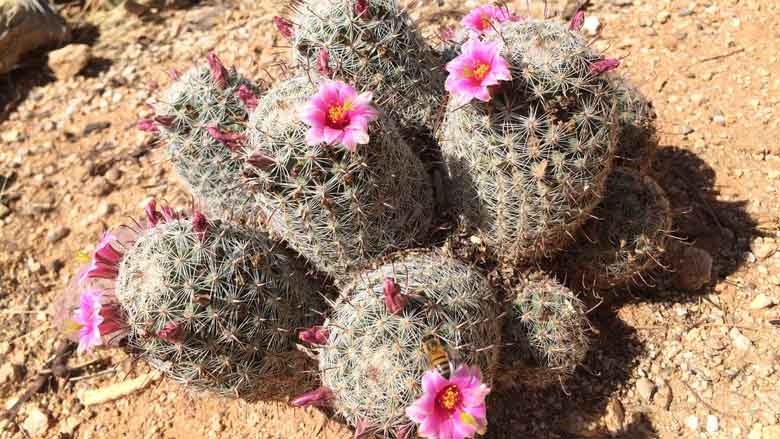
x,y
201,118
626,237
375,44
373,359
545,333
216,307
637,139
336,207
528,158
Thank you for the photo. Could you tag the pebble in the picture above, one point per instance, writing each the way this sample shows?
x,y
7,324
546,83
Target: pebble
x,y
692,422
645,388
37,423
764,248
719,119
694,269
712,424
96,127
741,342
57,234
4,211
663,16
591,26
622,2
615,416
685,130
761,301
68,61
100,187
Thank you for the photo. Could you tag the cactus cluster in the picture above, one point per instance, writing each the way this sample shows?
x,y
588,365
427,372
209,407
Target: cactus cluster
x,y
375,44
373,359
529,165
309,165
338,208
216,307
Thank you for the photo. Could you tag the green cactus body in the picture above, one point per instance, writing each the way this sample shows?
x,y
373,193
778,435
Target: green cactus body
x,y
216,310
379,51
627,236
210,169
637,138
337,208
544,336
374,362
528,166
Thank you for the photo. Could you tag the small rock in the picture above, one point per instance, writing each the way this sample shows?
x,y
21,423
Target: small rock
x,y
712,424
755,432
694,268
685,12
764,248
663,396
719,119
113,175
615,416
96,127
57,234
698,99
12,136
692,422
686,130
622,2
663,17
70,60
4,211
26,26
56,265
591,26
37,423
740,341
761,301
10,372
100,187
645,388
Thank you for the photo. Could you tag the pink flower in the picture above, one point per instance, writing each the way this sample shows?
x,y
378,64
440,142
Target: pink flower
x,y
314,335
199,225
604,66
88,319
152,215
247,96
337,114
394,299
478,67
577,21
318,397
147,125
284,26
218,71
451,408
104,263
361,9
233,141
484,18
322,63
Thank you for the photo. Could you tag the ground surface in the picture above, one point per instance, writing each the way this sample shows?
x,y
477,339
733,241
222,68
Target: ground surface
x,y
664,363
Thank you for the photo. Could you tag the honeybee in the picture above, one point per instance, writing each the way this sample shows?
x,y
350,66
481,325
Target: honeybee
x,y
438,355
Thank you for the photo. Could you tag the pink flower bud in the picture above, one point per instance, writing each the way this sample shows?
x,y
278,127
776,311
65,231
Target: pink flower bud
x,y
395,301
261,161
218,71
577,21
361,8
147,125
318,397
200,225
152,214
316,335
174,74
322,63
171,332
233,141
247,96
603,66
284,26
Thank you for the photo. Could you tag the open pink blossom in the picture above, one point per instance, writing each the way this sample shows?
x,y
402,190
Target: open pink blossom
x,y
338,115
104,263
478,67
484,18
88,319
451,408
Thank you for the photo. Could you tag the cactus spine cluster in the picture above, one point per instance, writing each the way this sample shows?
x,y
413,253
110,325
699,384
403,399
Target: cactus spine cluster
x,y
626,236
216,307
528,166
373,360
545,333
338,208
637,138
375,45
199,106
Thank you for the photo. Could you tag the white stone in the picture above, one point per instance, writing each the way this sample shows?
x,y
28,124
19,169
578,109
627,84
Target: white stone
x,y
591,26
37,423
692,422
712,424
740,341
645,388
761,301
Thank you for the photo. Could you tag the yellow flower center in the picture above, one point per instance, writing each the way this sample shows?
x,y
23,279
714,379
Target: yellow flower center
x,y
485,22
338,115
450,397
478,71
